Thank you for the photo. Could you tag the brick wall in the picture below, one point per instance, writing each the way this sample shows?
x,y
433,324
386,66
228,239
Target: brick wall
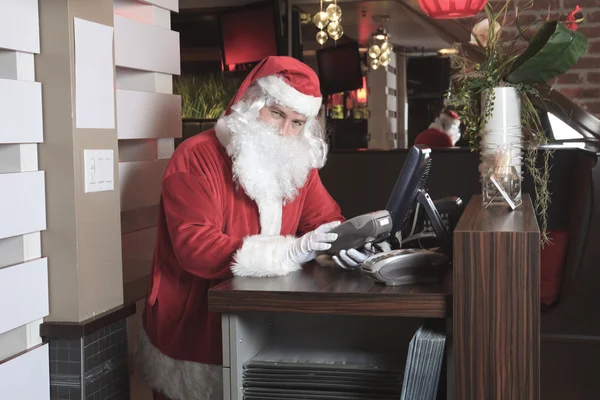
x,y
582,82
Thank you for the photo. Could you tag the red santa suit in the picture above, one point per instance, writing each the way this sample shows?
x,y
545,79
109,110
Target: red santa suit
x,y
210,228
443,132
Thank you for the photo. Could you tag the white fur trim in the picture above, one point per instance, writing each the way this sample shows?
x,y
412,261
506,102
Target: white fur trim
x,y
289,97
262,256
270,217
222,132
177,379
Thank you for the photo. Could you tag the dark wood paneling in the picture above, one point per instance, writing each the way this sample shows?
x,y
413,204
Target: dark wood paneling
x,y
330,290
496,312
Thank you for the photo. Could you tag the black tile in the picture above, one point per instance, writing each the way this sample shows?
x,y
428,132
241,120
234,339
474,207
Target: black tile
x,y
75,354
75,394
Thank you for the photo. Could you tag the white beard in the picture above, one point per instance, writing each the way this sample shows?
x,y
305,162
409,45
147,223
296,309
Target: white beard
x,y
451,128
270,168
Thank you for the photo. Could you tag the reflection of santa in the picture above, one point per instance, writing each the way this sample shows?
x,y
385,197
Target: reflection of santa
x,y
244,198
443,132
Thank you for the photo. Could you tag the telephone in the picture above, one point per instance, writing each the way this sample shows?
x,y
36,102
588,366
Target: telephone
x,y
407,266
360,230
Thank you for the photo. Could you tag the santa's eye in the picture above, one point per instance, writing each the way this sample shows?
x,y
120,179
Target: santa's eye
x,y
277,114
299,124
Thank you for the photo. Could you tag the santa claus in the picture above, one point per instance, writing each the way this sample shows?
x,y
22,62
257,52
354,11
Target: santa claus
x,y
443,132
244,199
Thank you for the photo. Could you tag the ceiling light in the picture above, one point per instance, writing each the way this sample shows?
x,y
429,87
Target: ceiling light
x,y
447,51
380,34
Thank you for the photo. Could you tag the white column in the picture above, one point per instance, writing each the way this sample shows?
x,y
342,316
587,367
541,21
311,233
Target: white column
x,y
383,106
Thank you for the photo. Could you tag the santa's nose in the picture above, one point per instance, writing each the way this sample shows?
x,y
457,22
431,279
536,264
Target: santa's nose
x,y
287,129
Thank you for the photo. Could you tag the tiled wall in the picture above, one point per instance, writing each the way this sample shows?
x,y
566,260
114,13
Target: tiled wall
x,y
24,371
95,367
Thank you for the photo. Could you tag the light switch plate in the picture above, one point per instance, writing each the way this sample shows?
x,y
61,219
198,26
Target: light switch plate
x,y
99,170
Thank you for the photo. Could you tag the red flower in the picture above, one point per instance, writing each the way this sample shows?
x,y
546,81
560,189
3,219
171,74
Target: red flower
x,y
574,18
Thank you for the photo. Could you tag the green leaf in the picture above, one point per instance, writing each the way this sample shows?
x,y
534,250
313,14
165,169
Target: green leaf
x,y
552,51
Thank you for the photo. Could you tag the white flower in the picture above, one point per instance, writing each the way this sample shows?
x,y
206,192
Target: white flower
x,y
481,30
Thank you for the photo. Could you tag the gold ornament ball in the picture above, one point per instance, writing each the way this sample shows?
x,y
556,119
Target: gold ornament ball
x,y
321,20
335,32
322,37
334,12
384,60
375,64
374,51
386,48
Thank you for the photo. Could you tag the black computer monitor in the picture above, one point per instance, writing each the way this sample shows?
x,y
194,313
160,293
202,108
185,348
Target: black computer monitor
x,y
410,190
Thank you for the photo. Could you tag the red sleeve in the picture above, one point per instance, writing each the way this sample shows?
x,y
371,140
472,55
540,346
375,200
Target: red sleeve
x,y
194,220
319,207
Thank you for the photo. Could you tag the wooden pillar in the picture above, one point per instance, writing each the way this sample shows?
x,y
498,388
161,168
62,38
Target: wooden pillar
x,y
496,303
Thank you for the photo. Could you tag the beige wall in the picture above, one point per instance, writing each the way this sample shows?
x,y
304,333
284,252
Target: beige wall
x,y
82,240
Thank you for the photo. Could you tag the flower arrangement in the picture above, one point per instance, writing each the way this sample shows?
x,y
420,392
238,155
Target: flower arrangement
x,y
490,61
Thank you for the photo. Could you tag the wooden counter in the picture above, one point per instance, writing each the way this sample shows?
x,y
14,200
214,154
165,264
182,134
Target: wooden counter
x,y
330,290
490,300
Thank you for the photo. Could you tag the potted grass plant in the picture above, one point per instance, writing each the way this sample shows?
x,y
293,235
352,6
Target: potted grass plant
x,y
495,87
204,96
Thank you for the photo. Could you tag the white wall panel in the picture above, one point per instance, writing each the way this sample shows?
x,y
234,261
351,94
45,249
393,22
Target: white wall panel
x,y
18,157
144,81
138,250
13,342
22,203
17,65
146,47
166,148
23,294
20,111
138,150
172,5
18,249
144,115
26,377
145,13
141,183
19,25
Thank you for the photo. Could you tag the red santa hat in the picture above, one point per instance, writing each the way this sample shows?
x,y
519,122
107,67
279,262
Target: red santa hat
x,y
450,115
290,82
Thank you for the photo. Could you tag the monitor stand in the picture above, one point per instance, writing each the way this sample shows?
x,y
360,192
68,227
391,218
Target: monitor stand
x,y
441,233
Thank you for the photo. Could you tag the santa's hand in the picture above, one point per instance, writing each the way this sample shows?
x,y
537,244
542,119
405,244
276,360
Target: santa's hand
x,y
352,259
304,249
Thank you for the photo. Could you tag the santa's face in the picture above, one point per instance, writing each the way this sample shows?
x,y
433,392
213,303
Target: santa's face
x,y
272,150
288,122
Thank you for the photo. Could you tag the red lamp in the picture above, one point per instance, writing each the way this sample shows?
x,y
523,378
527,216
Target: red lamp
x,y
447,9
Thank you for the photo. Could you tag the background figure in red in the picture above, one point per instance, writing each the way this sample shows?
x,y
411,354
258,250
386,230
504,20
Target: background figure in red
x,y
443,132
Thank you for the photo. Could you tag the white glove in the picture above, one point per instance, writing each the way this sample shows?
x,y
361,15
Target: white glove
x,y
304,249
352,259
